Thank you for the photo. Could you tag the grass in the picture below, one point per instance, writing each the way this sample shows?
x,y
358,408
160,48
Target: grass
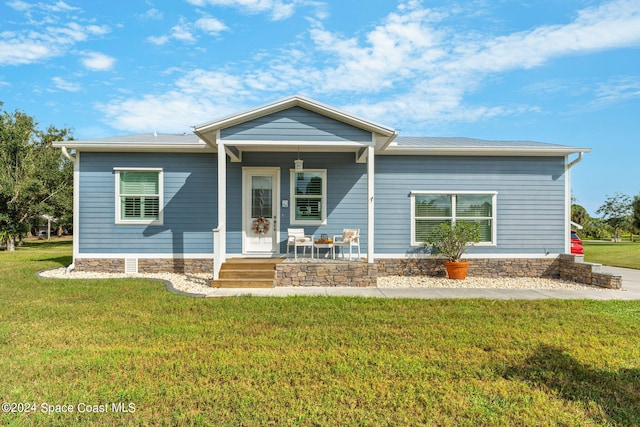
x,y
308,361
618,254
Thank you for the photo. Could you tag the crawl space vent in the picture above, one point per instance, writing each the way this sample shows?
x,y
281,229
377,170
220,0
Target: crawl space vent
x,y
131,265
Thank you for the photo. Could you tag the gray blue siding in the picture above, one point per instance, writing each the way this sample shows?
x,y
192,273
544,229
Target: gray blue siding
x,y
346,194
295,124
530,201
190,205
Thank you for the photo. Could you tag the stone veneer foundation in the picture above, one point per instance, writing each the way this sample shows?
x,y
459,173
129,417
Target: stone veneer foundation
x,y
146,265
361,274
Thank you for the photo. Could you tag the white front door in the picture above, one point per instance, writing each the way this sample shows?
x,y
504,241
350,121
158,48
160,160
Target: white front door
x,y
260,210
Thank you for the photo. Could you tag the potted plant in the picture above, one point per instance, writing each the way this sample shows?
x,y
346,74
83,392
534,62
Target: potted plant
x,y
451,241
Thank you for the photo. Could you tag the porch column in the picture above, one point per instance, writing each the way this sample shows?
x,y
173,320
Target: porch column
x,y
221,243
370,203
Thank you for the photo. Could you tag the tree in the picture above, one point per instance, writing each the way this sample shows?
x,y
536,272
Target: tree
x,y
636,214
579,214
34,179
617,211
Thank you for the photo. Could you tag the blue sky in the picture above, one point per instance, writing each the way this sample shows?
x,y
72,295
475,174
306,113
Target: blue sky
x,y
558,71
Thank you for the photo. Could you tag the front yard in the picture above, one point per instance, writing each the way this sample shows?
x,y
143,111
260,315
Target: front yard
x,y
102,347
618,254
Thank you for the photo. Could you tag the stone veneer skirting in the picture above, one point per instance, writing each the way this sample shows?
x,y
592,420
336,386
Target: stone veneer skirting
x,y
356,274
146,265
360,274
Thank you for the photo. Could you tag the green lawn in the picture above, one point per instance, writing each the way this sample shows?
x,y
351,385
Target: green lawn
x,y
309,361
618,254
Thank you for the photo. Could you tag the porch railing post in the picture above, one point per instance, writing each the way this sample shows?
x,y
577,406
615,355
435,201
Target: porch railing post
x,y
217,253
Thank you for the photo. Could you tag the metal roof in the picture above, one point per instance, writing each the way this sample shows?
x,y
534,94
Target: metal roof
x,y
459,142
140,142
167,138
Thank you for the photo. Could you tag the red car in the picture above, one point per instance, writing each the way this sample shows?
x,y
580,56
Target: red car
x,y
576,244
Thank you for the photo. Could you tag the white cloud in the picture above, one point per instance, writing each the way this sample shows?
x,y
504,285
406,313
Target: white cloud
x,y
59,6
158,40
17,48
17,51
618,89
96,61
19,5
278,9
410,68
185,31
153,14
173,111
66,85
210,25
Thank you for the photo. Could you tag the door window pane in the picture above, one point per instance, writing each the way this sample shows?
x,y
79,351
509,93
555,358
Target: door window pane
x,y
261,197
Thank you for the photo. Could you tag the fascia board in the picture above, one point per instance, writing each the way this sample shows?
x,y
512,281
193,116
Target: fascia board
x,y
483,151
294,101
139,147
295,144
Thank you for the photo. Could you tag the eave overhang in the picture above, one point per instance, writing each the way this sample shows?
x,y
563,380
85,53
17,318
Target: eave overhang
x,y
484,151
140,145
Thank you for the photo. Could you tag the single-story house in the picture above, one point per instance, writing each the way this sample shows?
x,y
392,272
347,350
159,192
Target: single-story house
x,y
232,189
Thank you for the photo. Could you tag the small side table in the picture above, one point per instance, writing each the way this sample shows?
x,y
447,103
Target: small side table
x,y
318,246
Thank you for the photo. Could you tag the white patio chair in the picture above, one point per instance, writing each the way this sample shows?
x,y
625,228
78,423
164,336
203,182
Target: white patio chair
x,y
350,237
297,238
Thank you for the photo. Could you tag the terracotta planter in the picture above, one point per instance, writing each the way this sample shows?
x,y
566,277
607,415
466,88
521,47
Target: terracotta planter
x,y
457,270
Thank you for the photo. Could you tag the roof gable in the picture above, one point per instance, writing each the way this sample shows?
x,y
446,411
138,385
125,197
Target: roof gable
x,y
290,106
295,124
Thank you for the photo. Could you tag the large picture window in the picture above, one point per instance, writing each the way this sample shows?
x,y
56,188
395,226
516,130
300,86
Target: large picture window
x,y
139,196
309,197
428,210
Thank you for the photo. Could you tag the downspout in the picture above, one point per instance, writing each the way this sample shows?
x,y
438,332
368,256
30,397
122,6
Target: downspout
x,y
72,159
575,161
68,156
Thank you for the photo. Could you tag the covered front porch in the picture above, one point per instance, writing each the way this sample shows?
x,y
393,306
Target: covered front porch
x,y
292,164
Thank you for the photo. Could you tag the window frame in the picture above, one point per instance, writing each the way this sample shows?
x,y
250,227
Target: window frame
x,y
118,204
453,218
323,198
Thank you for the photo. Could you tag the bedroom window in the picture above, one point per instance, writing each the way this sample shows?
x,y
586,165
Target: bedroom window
x,y
309,197
139,196
430,209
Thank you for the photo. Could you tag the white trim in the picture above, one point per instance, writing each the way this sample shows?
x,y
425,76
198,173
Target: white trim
x,y
470,256
118,169
567,205
494,213
295,143
370,204
289,102
118,208
292,195
248,171
145,256
483,151
413,192
222,203
142,147
76,207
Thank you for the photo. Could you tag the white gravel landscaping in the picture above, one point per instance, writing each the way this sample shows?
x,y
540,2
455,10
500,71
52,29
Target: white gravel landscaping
x,y
480,283
198,283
